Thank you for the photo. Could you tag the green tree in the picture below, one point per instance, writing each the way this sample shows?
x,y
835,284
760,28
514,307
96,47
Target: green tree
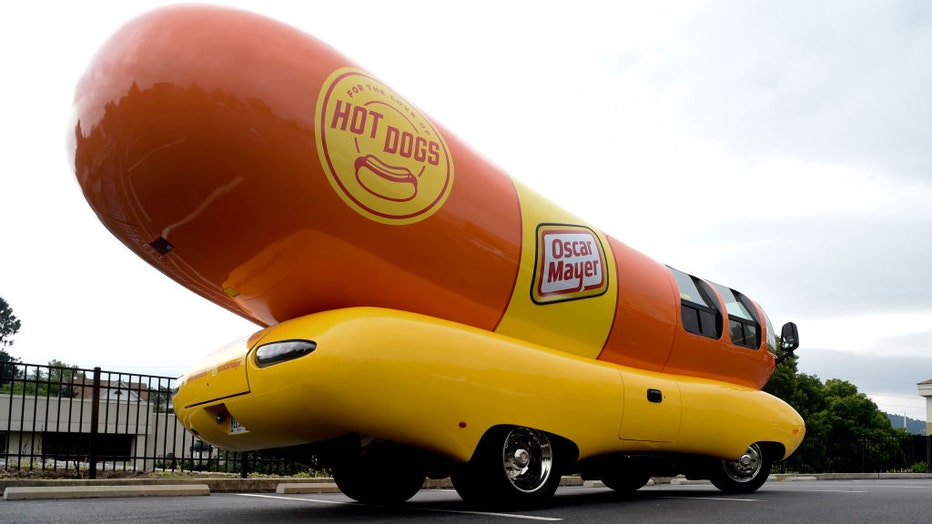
x,y
833,408
9,326
62,379
849,413
58,380
845,430
161,398
805,393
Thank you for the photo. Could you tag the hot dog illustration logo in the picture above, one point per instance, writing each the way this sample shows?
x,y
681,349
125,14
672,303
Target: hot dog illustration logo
x,y
382,156
570,264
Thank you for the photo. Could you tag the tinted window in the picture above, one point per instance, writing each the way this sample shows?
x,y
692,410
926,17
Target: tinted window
x,y
743,324
699,308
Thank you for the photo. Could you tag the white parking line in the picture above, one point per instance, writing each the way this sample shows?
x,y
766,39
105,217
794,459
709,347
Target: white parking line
x,y
834,491
725,499
427,510
897,486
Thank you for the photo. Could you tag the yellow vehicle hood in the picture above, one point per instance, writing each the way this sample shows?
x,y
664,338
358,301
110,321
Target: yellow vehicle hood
x,y
221,375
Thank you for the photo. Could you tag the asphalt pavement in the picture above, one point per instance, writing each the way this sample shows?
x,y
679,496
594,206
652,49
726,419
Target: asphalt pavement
x,y
825,501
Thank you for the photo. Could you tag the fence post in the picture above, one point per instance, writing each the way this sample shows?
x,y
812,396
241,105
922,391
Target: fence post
x,y
243,464
95,418
929,453
863,440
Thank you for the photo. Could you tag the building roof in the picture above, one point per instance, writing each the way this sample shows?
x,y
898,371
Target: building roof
x,y
85,388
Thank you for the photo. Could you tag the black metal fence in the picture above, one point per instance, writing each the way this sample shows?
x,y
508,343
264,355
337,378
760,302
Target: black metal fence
x,y
861,454
76,422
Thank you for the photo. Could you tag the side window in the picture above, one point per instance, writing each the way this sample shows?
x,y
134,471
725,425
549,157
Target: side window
x,y
771,336
743,324
700,309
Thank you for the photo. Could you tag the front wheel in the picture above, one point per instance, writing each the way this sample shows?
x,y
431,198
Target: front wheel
x,y
512,466
745,475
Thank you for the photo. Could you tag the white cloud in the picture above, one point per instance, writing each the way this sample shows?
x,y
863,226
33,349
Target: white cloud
x,y
777,147
888,334
887,377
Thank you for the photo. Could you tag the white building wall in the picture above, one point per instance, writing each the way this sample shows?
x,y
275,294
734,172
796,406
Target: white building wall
x,y
156,434
925,390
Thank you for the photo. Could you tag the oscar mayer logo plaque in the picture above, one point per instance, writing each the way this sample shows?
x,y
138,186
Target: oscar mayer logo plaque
x,y
570,264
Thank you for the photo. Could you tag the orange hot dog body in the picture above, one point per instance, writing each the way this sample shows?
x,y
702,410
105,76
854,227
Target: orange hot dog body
x,y
264,171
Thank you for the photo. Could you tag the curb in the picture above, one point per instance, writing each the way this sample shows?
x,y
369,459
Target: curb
x,y
779,477
25,489
307,487
84,492
216,485
99,488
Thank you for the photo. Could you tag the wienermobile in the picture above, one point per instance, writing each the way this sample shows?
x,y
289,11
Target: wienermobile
x,y
424,314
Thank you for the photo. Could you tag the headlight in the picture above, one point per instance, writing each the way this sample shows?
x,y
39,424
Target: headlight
x,y
275,352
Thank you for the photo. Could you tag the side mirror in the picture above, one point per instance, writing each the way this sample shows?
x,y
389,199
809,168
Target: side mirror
x,y
789,341
789,338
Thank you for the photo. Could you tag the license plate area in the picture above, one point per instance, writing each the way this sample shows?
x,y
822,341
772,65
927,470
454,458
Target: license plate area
x,y
236,427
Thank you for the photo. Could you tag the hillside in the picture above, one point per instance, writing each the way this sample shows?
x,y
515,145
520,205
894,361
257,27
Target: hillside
x,y
914,426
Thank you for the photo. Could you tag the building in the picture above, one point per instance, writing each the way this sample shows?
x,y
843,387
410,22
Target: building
x,y
112,390
925,390
52,416
131,432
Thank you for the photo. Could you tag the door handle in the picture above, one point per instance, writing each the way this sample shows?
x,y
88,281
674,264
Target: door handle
x,y
654,395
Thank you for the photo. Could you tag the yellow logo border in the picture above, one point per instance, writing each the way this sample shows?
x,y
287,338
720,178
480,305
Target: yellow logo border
x,y
394,198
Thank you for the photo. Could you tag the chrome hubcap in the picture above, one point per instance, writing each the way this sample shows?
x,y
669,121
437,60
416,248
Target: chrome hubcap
x,y
527,459
745,468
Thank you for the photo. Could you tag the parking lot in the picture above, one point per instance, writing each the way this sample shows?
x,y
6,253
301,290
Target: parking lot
x,y
834,501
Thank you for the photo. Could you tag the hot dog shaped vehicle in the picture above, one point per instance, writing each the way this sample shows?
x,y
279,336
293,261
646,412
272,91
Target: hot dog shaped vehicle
x,y
425,314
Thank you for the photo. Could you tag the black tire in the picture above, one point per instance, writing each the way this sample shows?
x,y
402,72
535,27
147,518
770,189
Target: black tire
x,y
378,480
625,482
513,466
745,475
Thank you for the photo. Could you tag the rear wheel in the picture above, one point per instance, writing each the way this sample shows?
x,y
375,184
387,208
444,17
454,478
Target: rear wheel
x,y
512,466
745,475
378,479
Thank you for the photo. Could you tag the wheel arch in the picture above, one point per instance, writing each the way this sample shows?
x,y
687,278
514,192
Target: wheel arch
x,y
775,450
567,452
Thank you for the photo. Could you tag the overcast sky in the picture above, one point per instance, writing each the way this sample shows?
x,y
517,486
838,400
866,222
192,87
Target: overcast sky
x,y
780,148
